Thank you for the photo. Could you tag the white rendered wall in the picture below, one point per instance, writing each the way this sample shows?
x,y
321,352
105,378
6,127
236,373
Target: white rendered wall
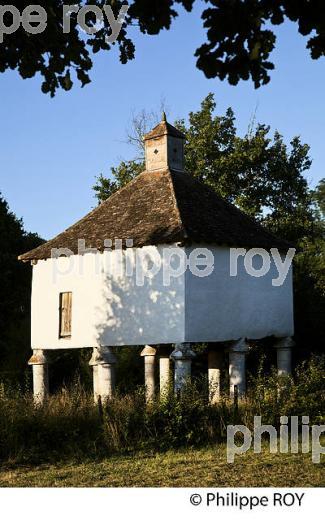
x,y
108,308
224,308
52,276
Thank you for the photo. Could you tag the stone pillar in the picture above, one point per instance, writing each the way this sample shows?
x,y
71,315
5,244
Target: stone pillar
x,y
283,350
214,373
182,356
164,370
103,361
93,364
149,371
39,362
95,382
237,367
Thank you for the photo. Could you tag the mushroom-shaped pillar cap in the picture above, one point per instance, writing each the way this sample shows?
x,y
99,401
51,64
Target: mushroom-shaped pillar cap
x,y
102,356
38,358
182,351
239,345
286,343
148,351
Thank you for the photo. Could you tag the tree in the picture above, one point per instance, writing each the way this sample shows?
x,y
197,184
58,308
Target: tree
x,y
313,245
239,38
15,283
319,198
309,279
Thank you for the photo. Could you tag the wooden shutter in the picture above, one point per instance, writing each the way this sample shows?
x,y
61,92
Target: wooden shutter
x,y
65,314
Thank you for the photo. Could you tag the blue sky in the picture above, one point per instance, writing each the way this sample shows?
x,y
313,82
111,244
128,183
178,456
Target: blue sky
x,y
52,149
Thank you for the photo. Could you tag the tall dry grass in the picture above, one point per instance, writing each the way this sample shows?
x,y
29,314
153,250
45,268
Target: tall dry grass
x,y
69,426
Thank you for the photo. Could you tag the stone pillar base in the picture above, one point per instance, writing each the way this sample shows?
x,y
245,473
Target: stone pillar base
x,y
103,361
214,374
39,362
164,370
283,350
148,353
182,356
237,367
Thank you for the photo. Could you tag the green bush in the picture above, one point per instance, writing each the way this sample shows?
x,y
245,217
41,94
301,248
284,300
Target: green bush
x,y
301,394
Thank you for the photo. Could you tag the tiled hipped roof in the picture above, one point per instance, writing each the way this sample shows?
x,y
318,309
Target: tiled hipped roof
x,y
159,208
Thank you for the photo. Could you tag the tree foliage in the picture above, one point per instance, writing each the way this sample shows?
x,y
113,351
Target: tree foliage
x,y
239,42
241,39
319,198
15,283
123,173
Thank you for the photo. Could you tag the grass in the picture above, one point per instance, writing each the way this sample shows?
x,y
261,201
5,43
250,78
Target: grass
x,y
181,468
175,441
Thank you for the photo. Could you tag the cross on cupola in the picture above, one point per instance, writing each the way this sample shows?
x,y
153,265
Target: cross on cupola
x,y
164,147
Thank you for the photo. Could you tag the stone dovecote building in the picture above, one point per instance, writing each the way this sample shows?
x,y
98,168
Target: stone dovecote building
x,y
129,273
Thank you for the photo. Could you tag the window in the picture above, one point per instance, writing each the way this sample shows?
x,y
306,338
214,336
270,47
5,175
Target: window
x,y
65,314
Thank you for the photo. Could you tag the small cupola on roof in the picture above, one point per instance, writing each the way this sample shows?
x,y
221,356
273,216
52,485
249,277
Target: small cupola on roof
x,y
164,147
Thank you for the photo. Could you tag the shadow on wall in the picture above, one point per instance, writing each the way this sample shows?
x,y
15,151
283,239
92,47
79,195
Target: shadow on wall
x,y
131,316
137,315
